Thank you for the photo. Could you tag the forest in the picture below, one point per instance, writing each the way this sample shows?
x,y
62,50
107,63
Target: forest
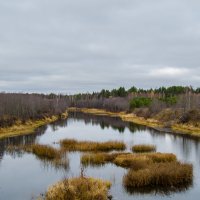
x,y
164,103
24,107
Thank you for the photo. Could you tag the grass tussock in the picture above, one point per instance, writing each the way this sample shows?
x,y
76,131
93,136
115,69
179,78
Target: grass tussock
x,y
138,161
167,175
50,155
74,145
143,148
162,157
95,159
79,189
45,151
126,160
134,161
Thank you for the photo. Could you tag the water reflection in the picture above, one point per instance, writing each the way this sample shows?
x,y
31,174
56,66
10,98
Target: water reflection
x,y
106,122
98,128
166,191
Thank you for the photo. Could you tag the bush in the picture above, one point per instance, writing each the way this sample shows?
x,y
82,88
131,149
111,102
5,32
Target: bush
x,y
139,102
169,100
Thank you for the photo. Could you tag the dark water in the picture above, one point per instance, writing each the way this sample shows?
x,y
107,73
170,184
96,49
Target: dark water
x,y
24,177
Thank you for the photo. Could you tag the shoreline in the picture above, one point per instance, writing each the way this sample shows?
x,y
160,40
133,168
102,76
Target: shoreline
x,y
29,127
178,129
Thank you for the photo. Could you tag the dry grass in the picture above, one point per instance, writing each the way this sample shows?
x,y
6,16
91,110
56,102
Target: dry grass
x,y
135,161
79,189
29,127
172,175
95,159
73,145
47,154
45,151
162,157
142,148
127,160
138,161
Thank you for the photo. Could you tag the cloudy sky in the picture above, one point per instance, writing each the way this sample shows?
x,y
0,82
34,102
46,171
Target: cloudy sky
x,y
73,46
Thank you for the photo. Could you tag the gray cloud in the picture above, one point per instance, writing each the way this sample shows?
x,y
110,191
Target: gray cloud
x,y
74,45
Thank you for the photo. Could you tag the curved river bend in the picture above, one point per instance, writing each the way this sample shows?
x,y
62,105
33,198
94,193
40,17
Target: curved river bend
x,y
24,177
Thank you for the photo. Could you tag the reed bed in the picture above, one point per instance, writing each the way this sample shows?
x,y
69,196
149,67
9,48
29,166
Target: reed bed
x,y
138,161
47,154
143,148
80,188
167,175
45,151
95,159
74,145
134,161
126,160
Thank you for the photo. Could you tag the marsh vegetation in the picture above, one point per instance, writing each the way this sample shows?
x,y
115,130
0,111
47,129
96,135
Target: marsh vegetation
x,y
171,176
142,148
81,188
103,159
74,145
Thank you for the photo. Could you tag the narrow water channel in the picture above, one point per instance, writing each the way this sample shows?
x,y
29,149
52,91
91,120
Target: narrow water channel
x,y
24,177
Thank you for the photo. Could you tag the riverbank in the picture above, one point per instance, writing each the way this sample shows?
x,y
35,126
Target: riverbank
x,y
28,127
175,128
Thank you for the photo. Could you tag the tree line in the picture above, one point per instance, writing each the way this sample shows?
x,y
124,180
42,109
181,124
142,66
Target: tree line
x,y
16,106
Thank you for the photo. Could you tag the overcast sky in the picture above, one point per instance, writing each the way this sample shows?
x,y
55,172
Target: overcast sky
x,y
74,46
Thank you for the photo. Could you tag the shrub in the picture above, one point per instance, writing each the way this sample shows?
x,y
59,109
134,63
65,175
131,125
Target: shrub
x,y
169,100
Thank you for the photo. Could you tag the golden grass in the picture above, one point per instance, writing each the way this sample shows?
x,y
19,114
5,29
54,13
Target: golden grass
x,y
135,161
187,129
142,148
127,160
74,145
96,159
49,155
173,174
45,151
138,161
79,189
29,127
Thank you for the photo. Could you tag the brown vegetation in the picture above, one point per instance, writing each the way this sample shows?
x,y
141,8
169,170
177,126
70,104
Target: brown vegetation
x,y
173,174
127,160
79,189
45,151
142,148
141,160
96,159
74,145
47,154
